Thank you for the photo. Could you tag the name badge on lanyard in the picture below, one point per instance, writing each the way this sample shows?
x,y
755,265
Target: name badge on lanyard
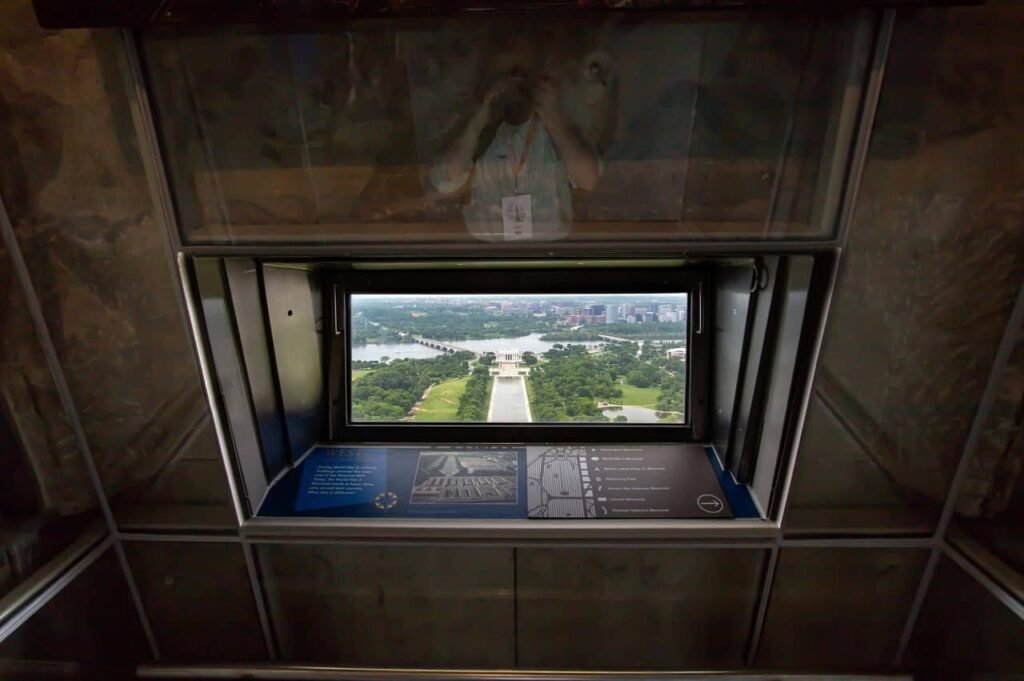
x,y
517,210
517,217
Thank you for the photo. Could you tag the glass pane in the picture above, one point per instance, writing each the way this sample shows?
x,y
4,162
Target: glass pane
x,y
74,186
393,606
990,509
839,608
964,632
519,358
500,128
927,281
199,601
636,609
91,623
46,497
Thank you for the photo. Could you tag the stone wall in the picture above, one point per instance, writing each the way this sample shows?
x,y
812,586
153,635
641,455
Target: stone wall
x,y
73,184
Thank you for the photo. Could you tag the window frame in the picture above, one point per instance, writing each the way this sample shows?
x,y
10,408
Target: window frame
x,y
559,278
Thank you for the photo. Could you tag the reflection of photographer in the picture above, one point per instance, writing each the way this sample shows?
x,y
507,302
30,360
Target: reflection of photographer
x,y
521,156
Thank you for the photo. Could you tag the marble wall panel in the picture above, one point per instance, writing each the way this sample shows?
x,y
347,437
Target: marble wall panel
x,y
199,601
89,630
46,498
72,180
934,263
990,508
635,609
392,606
839,609
980,641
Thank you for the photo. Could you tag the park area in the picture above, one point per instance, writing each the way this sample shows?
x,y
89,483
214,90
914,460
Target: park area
x,y
441,403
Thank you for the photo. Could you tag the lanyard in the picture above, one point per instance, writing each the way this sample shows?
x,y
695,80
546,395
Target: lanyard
x,y
518,164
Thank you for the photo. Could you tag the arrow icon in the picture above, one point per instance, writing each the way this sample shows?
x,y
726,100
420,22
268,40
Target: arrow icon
x,y
711,504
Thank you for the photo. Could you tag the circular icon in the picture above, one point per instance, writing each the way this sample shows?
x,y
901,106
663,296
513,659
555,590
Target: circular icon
x,y
709,503
385,501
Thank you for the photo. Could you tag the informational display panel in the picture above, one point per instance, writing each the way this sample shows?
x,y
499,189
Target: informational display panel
x,y
545,481
622,481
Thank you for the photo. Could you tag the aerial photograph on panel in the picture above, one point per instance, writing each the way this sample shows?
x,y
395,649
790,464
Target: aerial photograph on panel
x,y
460,477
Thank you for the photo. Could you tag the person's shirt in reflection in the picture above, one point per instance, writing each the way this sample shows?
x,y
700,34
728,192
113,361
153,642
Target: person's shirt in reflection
x,y
543,177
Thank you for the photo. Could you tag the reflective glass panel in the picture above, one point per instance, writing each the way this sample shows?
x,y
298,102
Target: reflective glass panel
x,y
91,627
392,605
927,281
73,183
990,508
965,632
199,600
839,608
638,608
501,128
46,497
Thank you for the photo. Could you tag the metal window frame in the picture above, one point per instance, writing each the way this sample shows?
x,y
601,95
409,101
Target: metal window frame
x,y
693,280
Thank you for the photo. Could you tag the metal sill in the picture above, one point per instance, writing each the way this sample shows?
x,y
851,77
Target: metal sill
x,y
729,532
377,674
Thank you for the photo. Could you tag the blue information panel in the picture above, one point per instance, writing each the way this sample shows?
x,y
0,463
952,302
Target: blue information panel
x,y
491,481
431,482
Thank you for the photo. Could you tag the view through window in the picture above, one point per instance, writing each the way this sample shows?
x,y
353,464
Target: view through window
x,y
614,358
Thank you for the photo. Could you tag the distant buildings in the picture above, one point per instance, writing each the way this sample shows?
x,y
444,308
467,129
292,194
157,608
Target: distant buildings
x,y
676,353
515,308
509,357
574,315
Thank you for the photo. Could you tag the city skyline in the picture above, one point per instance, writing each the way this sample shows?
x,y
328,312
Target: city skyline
x,y
540,297
571,309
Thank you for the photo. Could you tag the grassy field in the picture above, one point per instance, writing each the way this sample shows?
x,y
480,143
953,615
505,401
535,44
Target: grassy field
x,y
638,397
442,401
359,373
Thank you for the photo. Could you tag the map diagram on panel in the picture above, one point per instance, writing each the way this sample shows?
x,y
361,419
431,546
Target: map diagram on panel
x,y
622,481
558,483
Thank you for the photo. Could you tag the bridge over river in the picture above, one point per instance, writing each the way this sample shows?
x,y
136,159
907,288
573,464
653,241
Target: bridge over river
x,y
441,345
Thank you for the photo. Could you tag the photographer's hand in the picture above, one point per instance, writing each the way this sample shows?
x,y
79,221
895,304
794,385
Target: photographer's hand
x,y
580,162
546,98
457,161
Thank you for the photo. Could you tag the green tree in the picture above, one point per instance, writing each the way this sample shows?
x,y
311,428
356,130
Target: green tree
x,y
644,376
475,400
620,357
377,320
671,400
569,384
676,366
390,391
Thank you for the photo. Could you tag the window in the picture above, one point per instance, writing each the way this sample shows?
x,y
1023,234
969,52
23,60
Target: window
x,y
368,388
519,353
396,133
